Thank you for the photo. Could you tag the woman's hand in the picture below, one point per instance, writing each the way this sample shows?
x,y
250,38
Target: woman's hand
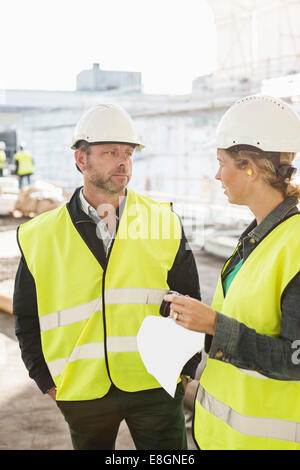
x,y
192,314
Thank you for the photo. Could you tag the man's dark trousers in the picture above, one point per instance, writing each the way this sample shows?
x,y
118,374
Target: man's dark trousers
x,y
155,419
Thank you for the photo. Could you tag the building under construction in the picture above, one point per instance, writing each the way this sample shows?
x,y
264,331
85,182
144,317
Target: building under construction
x,y
258,50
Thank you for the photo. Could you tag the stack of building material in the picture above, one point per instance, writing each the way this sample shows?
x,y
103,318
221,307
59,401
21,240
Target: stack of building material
x,y
8,195
30,200
42,197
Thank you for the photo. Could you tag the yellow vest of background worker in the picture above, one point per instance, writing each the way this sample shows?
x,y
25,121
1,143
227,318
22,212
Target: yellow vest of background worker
x,y
2,159
242,409
25,163
89,318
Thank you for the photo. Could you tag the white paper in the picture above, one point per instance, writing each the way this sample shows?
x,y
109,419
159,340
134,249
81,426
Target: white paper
x,y
165,347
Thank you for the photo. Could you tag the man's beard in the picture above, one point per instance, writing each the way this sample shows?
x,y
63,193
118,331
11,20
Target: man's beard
x,y
106,183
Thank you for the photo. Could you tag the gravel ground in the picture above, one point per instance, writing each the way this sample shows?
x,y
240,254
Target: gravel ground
x,y
8,268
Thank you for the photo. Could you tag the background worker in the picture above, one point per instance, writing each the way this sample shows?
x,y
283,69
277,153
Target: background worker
x,y
248,397
2,157
86,281
24,165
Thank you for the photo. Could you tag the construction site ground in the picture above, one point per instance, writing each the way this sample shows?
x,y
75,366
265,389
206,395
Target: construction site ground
x,y
29,419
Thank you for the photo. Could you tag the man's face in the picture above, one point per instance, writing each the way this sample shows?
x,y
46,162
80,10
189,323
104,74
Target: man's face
x,y
107,166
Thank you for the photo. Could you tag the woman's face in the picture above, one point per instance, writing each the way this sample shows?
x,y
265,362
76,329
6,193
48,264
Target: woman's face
x,y
233,179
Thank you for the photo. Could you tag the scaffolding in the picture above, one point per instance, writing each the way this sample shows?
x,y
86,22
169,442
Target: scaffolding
x,y
256,40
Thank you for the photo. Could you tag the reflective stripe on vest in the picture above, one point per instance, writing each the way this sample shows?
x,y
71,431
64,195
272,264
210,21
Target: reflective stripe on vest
x,y
269,428
94,351
71,315
248,399
89,318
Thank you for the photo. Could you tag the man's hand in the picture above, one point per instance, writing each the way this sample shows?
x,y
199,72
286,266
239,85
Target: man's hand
x,y
52,393
184,381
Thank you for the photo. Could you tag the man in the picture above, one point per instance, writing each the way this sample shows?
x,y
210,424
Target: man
x,y
90,272
2,157
24,165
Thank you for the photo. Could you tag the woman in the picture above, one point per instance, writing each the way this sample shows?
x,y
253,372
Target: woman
x,y
248,396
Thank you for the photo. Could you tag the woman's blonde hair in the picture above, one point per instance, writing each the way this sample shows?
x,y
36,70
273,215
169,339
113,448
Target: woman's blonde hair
x,y
274,167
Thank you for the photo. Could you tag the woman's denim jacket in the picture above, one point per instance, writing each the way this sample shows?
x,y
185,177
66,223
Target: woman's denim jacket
x,y
235,343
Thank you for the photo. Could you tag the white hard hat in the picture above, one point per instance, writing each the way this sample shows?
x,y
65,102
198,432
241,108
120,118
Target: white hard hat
x,y
106,123
260,121
2,145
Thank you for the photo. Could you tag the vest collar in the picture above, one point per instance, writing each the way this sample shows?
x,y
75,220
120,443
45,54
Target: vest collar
x,y
258,232
75,210
78,215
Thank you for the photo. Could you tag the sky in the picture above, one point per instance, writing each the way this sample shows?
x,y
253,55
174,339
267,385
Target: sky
x,y
46,43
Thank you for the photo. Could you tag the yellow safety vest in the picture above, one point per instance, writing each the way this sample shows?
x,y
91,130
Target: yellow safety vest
x,y
89,318
2,159
242,409
25,166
